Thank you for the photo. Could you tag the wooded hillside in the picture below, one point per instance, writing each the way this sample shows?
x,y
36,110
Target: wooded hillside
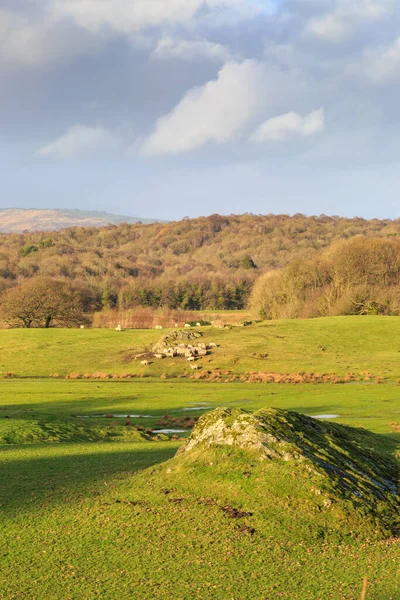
x,y
353,277
209,262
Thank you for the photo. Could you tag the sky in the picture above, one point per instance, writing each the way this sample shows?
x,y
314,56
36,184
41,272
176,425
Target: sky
x,y
174,108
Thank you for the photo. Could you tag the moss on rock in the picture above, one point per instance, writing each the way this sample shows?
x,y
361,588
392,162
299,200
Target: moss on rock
x,y
344,461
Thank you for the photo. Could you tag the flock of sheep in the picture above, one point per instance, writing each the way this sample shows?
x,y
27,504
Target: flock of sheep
x,y
189,351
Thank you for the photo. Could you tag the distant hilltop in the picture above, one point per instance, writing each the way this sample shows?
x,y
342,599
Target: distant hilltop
x,y
17,220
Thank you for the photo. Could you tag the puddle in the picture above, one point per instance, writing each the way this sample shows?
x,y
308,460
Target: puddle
x,y
130,416
169,430
115,416
325,416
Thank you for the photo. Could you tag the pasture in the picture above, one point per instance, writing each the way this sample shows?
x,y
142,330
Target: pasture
x,y
84,509
338,345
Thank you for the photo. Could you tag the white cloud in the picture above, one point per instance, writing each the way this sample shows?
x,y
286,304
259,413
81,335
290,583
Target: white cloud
x,y
190,50
347,16
379,64
218,111
81,140
289,125
128,16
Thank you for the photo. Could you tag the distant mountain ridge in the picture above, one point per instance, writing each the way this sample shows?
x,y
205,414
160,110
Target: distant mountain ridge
x,y
18,220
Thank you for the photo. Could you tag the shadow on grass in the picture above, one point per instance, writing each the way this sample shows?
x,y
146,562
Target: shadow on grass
x,y
35,477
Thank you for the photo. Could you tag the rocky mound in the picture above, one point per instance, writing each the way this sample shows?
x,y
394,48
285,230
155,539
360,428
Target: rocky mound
x,y
345,462
174,338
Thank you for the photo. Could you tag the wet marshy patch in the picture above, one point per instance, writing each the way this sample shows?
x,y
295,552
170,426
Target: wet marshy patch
x,y
113,416
172,422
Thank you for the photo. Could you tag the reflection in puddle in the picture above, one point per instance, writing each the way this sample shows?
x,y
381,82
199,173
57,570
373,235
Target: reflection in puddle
x,y
325,416
115,416
169,430
197,408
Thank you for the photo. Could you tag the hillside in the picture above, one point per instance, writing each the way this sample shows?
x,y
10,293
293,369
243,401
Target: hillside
x,y
18,220
205,263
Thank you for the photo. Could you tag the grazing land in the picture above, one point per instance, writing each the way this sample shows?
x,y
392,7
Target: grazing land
x,y
325,345
91,509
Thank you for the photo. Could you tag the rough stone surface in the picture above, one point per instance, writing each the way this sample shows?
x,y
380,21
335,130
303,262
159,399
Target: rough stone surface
x,y
227,427
173,338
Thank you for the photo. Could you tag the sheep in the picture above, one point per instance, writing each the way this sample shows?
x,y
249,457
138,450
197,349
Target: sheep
x,y
82,327
194,367
212,345
190,359
187,325
158,356
144,362
118,328
202,352
198,324
202,346
158,326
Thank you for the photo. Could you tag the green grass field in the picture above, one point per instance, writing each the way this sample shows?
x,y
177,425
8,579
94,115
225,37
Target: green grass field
x,y
88,518
338,345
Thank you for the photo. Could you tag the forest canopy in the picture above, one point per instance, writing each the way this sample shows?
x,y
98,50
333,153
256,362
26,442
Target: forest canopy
x,y
193,264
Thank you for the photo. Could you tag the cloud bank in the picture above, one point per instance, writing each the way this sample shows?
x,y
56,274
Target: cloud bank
x,y
191,85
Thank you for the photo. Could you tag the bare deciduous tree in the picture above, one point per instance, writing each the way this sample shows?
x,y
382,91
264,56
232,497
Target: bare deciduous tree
x,y
42,302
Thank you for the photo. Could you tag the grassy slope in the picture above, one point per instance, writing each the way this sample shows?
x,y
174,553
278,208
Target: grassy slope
x,y
65,536
336,345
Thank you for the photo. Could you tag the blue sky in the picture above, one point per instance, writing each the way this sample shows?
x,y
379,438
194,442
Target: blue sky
x,y
183,108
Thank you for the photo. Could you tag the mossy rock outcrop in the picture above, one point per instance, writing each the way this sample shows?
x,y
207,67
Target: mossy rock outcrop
x,y
345,463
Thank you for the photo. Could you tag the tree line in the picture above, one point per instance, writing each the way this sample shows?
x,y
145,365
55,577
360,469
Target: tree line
x,y
195,264
360,276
